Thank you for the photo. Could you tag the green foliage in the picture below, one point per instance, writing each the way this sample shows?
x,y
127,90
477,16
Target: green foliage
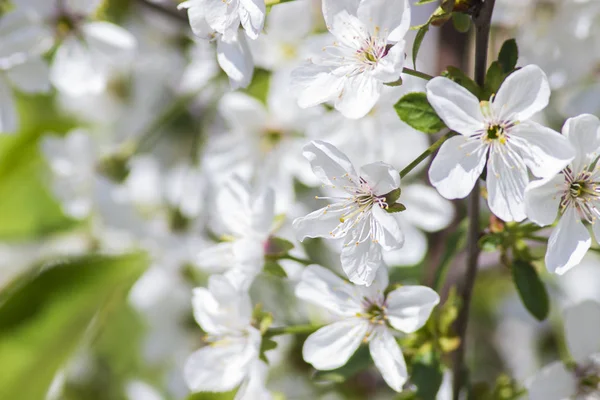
x,y
504,388
278,247
43,321
421,2
396,207
532,290
458,76
415,110
259,87
213,396
393,196
455,243
427,375
423,29
509,54
273,268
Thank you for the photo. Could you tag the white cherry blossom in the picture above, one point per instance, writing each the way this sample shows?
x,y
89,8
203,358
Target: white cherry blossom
x,y
581,380
574,193
359,215
499,132
231,356
366,315
246,219
366,51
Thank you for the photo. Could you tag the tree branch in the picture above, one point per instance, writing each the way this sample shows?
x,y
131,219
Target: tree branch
x,y
482,19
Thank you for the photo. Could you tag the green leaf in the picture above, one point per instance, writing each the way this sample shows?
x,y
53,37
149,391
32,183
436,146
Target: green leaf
x,y
213,395
265,345
462,79
461,22
493,79
421,2
273,268
509,54
531,289
278,247
418,41
393,196
396,207
427,375
415,110
43,321
259,86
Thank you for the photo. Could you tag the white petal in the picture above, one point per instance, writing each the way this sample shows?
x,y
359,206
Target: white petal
x,y
389,67
426,208
198,22
377,289
319,223
109,40
568,243
457,166
74,70
329,164
542,199
409,307
9,119
254,387
322,287
235,59
85,7
31,76
413,250
243,112
221,16
252,16
332,346
506,186
545,152
553,382
454,104
263,211
388,18
582,330
222,366
524,93
315,84
361,261
332,7
382,178
359,95
387,234
388,359
583,132
216,258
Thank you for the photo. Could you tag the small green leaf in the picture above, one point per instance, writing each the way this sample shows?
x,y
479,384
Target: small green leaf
x,y
278,247
461,22
396,207
393,196
273,268
490,243
509,54
531,289
462,79
265,345
418,41
415,110
213,395
493,79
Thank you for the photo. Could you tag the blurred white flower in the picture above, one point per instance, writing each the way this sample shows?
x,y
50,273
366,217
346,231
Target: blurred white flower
x,y
367,315
575,193
88,50
359,216
231,356
578,381
368,51
247,219
499,132
21,64
220,21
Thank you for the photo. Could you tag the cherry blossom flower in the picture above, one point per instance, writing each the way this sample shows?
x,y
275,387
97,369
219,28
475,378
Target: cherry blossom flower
x,y
575,193
368,51
220,21
246,218
497,131
367,315
580,380
359,216
231,357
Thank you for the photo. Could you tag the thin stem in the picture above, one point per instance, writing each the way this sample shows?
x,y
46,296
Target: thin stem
x,y
418,74
426,154
292,330
481,19
270,3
